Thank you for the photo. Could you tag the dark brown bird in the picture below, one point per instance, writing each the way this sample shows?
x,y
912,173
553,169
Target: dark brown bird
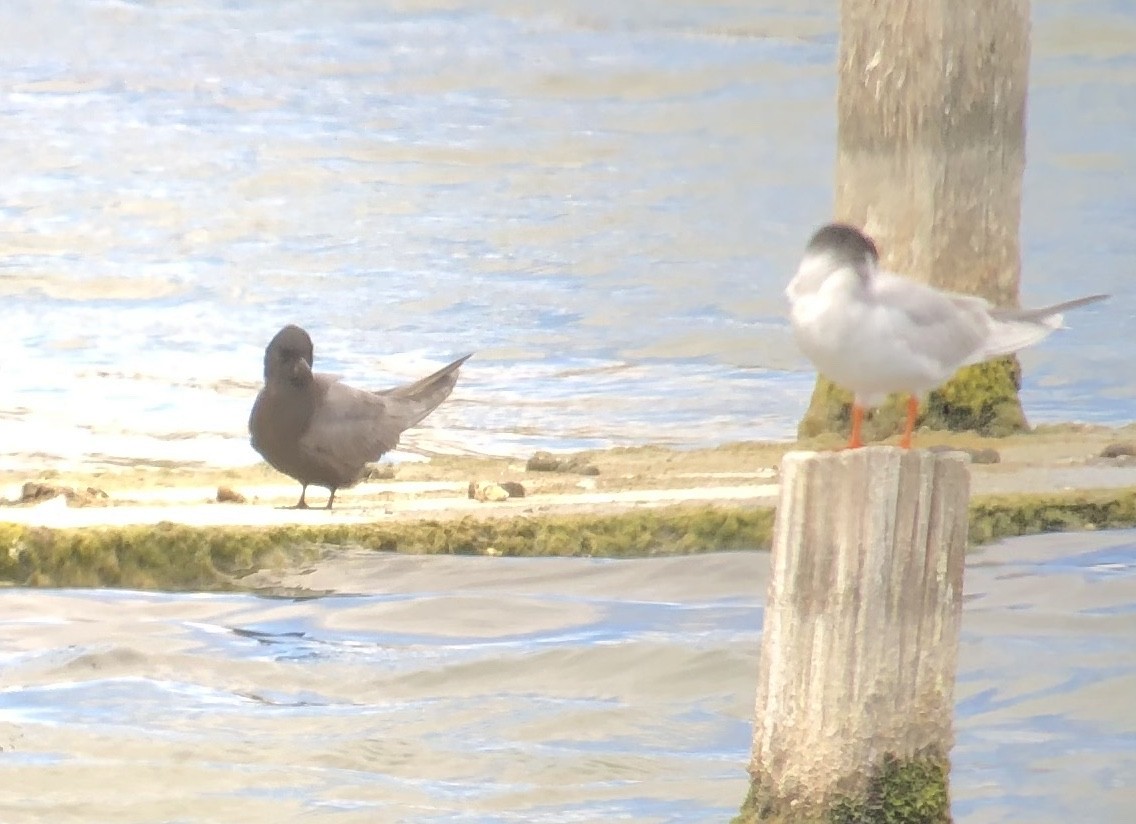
x,y
322,432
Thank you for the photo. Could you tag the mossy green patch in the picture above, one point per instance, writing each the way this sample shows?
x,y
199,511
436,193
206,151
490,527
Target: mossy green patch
x,y
830,411
912,791
994,517
176,557
982,398
161,556
899,791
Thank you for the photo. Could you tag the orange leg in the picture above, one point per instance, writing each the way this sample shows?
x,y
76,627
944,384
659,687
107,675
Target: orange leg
x,y
909,426
855,442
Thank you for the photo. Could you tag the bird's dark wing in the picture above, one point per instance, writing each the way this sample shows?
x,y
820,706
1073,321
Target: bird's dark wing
x,y
351,427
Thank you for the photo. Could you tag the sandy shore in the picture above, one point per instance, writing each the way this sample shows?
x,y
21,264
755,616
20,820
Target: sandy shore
x,y
1049,460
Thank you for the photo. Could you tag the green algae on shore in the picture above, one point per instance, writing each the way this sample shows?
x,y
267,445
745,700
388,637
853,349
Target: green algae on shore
x,y
993,517
181,557
163,556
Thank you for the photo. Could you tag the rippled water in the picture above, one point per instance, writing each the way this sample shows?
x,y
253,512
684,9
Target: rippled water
x,y
434,689
604,200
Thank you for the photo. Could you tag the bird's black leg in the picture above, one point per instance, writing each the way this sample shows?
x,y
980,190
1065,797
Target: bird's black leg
x,y
330,497
302,503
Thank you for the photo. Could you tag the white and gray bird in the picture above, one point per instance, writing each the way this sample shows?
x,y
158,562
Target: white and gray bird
x,y
322,432
873,332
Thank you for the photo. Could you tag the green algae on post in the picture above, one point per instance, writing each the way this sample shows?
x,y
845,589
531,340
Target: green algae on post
x,y
911,791
875,674
914,791
982,398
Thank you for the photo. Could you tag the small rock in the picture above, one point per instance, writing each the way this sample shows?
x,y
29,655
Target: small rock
x,y
986,455
91,496
379,472
492,493
543,462
487,491
547,462
1121,449
34,492
228,495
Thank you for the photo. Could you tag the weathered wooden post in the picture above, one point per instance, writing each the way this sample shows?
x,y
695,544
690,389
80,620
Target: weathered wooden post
x,y
931,119
858,653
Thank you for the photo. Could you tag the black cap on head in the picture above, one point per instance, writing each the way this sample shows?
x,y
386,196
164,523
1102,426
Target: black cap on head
x,y
290,342
844,242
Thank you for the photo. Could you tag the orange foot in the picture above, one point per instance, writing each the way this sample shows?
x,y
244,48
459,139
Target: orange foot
x,y
856,441
909,425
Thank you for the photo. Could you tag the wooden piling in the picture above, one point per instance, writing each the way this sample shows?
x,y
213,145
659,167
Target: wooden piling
x,y
931,125
860,639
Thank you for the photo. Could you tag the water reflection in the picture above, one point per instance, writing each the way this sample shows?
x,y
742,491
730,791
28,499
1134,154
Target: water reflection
x,y
603,200
539,690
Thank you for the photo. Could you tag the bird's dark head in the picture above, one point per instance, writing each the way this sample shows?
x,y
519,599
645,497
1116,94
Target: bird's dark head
x,y
835,253
289,356
845,244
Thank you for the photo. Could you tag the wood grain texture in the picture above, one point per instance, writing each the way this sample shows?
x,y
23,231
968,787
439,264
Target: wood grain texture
x,y
931,123
861,627
931,109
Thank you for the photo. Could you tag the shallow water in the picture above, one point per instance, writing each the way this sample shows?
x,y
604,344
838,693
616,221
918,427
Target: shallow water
x,y
436,689
604,200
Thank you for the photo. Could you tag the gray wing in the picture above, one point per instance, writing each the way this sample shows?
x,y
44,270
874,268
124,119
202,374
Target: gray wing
x,y
946,328
351,427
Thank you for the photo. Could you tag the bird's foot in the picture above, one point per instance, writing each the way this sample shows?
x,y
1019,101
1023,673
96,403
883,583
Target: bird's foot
x,y
303,502
909,423
855,440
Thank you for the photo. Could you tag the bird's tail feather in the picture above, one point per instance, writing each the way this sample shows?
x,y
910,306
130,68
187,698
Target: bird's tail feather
x,y
1016,329
1048,315
427,393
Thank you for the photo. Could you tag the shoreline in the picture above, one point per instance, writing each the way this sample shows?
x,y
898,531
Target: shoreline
x,y
1050,459
162,527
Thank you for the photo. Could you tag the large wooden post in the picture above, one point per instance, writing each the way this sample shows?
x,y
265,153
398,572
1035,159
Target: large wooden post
x,y
860,640
931,109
